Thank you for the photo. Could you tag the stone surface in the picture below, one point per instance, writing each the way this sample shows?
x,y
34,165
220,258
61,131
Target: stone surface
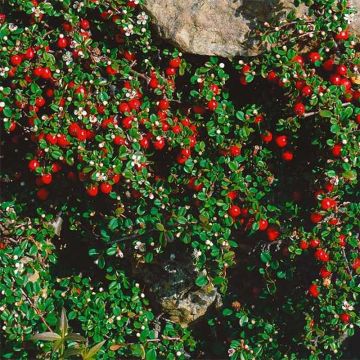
x,y
355,20
219,27
170,283
215,27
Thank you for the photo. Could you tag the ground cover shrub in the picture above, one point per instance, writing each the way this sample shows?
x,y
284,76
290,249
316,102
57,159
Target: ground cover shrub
x,y
250,165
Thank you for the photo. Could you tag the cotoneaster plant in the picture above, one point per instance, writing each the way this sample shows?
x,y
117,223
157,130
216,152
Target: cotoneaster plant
x,y
251,164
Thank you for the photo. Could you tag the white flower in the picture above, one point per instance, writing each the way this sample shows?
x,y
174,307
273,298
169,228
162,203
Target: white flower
x,y
142,18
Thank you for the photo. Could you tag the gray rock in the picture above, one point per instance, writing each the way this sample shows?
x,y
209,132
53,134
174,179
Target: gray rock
x,y
215,27
220,27
355,20
170,283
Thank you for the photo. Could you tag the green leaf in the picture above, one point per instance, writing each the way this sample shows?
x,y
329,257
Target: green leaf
x,y
201,281
93,351
325,113
47,336
151,355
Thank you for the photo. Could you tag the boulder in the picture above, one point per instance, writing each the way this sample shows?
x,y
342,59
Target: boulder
x,y
220,27
215,27
170,284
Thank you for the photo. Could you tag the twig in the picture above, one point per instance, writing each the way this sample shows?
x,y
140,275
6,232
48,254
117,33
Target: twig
x,y
38,312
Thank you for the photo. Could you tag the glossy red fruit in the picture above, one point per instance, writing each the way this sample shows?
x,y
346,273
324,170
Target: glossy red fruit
x,y
159,144
335,79
298,59
144,142
215,89
15,60
212,105
272,76
110,70
92,190
345,318
164,104
321,255
40,102
342,35
267,137
336,150
134,104
287,155
234,211
328,203
314,243
314,57
232,195
235,150
62,43
281,141
324,273
314,291
328,65
46,179
105,188
42,194
306,91
153,83
29,54
175,63
341,70
272,233
170,71
119,140
342,240
263,224
303,245
299,108
84,24
316,218
33,165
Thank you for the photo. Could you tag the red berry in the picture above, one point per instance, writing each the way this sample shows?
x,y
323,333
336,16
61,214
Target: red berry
x,y
299,108
336,150
105,188
267,137
144,142
313,290
159,144
235,150
153,83
335,79
298,59
341,70
234,211
303,245
306,91
15,60
316,218
328,203
342,35
29,54
281,141
42,194
272,233
314,57
287,155
33,165
110,70
263,224
232,195
134,104
62,43
92,190
321,255
215,89
328,65
175,63
345,318
324,273
272,76
163,104
40,102
119,140
212,105
84,24
170,71
314,243
46,179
